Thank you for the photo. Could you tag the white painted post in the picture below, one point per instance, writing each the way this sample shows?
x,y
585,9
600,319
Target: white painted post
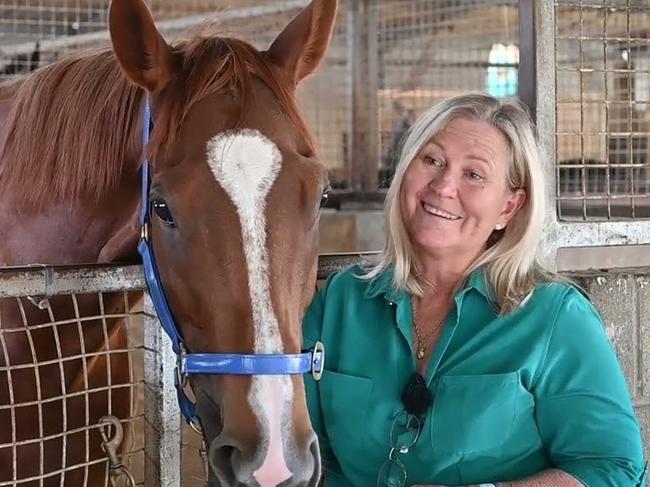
x,y
162,416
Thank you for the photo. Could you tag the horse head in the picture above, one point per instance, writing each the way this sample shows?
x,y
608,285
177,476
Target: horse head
x,y
236,188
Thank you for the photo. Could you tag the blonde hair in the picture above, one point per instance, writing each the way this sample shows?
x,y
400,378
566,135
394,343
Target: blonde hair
x,y
511,259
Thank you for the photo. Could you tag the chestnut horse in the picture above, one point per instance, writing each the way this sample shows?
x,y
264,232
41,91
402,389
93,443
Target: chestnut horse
x,y
235,197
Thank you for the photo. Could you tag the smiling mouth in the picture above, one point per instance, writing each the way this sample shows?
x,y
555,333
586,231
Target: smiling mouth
x,y
432,210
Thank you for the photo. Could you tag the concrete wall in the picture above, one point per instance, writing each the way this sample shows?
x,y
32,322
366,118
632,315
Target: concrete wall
x,y
623,299
621,295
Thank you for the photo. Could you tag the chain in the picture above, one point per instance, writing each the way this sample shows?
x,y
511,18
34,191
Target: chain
x,y
423,341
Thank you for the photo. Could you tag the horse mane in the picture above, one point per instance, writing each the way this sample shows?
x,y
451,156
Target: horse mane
x,y
74,125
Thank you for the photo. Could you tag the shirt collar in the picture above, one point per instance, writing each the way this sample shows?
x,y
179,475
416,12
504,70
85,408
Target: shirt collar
x,y
478,280
383,285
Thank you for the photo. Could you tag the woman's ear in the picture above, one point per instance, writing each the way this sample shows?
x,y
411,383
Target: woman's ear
x,y
513,204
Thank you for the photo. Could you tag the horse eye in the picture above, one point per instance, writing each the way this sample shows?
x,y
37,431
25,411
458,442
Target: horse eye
x,y
324,198
161,210
325,195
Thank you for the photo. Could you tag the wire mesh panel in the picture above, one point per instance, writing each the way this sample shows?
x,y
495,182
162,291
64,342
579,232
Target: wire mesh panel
x,y
432,49
36,32
426,50
603,109
325,100
22,20
71,380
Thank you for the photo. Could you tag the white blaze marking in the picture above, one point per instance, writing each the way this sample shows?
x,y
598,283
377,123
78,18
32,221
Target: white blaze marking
x,y
246,164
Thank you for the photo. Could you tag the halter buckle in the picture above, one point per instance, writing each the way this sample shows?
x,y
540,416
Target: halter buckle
x,y
144,232
318,361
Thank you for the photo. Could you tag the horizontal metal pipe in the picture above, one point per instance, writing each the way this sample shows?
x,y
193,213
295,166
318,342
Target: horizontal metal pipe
x,y
42,280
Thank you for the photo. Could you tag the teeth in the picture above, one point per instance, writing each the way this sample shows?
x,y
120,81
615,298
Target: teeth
x,y
437,212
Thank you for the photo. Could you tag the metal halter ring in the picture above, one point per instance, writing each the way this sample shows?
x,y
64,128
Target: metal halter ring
x,y
195,425
318,361
181,377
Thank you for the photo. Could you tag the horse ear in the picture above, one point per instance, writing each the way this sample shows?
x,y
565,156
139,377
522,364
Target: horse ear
x,y
301,46
145,57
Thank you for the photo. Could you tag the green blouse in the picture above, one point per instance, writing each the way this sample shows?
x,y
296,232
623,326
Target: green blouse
x,y
537,388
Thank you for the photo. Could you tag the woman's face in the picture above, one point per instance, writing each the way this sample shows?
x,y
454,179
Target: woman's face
x,y
455,192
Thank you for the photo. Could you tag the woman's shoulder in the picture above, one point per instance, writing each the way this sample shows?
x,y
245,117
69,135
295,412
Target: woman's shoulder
x,y
561,290
562,300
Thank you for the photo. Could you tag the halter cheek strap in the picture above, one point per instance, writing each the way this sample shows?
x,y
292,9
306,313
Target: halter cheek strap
x,y
206,363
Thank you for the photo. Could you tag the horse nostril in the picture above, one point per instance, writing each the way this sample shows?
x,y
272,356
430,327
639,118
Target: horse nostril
x,y
223,460
226,463
315,453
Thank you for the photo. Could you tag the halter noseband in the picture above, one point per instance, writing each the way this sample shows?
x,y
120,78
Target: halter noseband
x,y
206,363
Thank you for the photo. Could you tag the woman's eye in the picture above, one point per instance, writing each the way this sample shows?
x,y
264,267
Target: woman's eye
x,y
431,161
476,176
161,210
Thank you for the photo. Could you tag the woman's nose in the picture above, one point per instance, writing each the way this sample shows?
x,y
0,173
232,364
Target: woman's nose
x,y
444,184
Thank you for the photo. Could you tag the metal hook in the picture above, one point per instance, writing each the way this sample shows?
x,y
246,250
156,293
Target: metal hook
x,y
110,445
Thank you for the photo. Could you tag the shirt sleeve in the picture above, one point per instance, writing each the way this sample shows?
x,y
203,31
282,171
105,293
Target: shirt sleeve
x,y
312,332
583,407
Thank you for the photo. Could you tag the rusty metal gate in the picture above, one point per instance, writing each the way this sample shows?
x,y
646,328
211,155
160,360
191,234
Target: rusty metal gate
x,y
152,427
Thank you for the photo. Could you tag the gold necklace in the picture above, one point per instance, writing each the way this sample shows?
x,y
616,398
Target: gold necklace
x,y
422,341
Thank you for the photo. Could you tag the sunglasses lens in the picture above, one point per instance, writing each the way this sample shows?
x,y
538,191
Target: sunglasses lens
x,y
391,474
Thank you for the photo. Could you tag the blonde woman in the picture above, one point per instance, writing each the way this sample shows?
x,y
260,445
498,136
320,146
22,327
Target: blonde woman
x,y
456,358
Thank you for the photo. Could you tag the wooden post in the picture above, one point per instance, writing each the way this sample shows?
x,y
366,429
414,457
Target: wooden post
x,y
364,130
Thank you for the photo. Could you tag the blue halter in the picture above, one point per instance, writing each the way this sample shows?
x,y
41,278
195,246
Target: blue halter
x,y
206,363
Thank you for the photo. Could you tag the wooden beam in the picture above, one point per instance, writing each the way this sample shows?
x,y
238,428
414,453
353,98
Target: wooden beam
x,y
364,130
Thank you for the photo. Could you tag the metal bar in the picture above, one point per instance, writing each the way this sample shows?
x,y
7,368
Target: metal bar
x,y
330,263
41,280
608,186
31,280
162,466
643,40
527,55
583,179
